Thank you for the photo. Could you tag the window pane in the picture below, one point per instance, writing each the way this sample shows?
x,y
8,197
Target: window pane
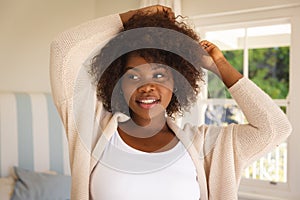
x,y
269,69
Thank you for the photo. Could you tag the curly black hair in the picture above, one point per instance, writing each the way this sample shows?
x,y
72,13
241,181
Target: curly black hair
x,y
157,38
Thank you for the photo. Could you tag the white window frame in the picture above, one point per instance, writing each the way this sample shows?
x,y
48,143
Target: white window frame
x,y
255,189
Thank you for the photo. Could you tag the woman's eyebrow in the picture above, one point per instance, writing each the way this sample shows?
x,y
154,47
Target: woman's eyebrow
x,y
155,66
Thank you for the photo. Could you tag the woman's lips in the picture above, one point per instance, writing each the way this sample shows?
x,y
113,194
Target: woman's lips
x,y
147,103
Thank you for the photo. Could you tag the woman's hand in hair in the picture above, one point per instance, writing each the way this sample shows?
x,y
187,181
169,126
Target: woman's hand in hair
x,y
221,67
212,50
150,10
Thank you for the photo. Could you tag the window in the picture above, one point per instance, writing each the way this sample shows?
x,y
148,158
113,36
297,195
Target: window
x,y
263,45
262,54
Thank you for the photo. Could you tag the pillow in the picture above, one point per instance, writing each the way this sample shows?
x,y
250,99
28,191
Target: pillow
x,y
6,188
41,186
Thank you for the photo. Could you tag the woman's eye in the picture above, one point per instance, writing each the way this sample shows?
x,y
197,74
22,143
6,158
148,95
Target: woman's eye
x,y
159,76
133,77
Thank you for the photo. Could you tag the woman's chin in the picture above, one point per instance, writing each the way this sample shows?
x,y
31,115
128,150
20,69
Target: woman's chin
x,y
149,114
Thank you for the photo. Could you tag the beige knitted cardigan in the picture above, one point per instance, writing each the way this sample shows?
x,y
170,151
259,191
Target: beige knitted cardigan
x,y
219,153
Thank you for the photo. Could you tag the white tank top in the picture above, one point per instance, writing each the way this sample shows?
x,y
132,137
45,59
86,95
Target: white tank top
x,y
125,173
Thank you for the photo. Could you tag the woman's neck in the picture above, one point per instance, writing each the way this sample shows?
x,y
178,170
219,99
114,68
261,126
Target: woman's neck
x,y
138,127
155,136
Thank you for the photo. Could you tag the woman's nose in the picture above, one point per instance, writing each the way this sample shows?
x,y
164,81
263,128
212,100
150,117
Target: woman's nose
x,y
148,87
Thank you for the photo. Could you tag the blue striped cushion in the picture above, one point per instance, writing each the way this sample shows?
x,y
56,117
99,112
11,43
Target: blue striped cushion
x,y
31,134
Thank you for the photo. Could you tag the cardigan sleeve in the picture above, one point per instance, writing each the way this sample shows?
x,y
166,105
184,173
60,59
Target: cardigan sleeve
x,y
68,53
267,125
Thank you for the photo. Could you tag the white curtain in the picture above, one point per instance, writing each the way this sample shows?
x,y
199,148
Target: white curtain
x,y
174,4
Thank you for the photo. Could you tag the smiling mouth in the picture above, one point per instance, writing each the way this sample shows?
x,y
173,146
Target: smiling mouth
x,y
148,103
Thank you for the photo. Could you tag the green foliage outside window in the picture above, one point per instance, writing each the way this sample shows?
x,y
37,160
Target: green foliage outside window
x,y
268,68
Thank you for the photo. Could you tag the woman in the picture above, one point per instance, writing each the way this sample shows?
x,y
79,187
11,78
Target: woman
x,y
123,140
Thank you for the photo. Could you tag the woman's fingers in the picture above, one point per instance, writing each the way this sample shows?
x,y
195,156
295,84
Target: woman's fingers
x,y
206,44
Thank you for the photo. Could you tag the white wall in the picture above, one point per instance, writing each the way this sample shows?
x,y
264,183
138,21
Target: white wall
x,y
106,7
28,26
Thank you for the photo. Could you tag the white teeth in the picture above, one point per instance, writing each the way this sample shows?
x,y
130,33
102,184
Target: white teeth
x,y
147,101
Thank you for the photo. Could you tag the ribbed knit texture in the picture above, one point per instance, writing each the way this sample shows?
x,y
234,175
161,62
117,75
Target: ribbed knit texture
x,y
221,152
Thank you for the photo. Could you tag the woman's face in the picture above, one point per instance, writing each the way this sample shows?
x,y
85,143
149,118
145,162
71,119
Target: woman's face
x,y
147,87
